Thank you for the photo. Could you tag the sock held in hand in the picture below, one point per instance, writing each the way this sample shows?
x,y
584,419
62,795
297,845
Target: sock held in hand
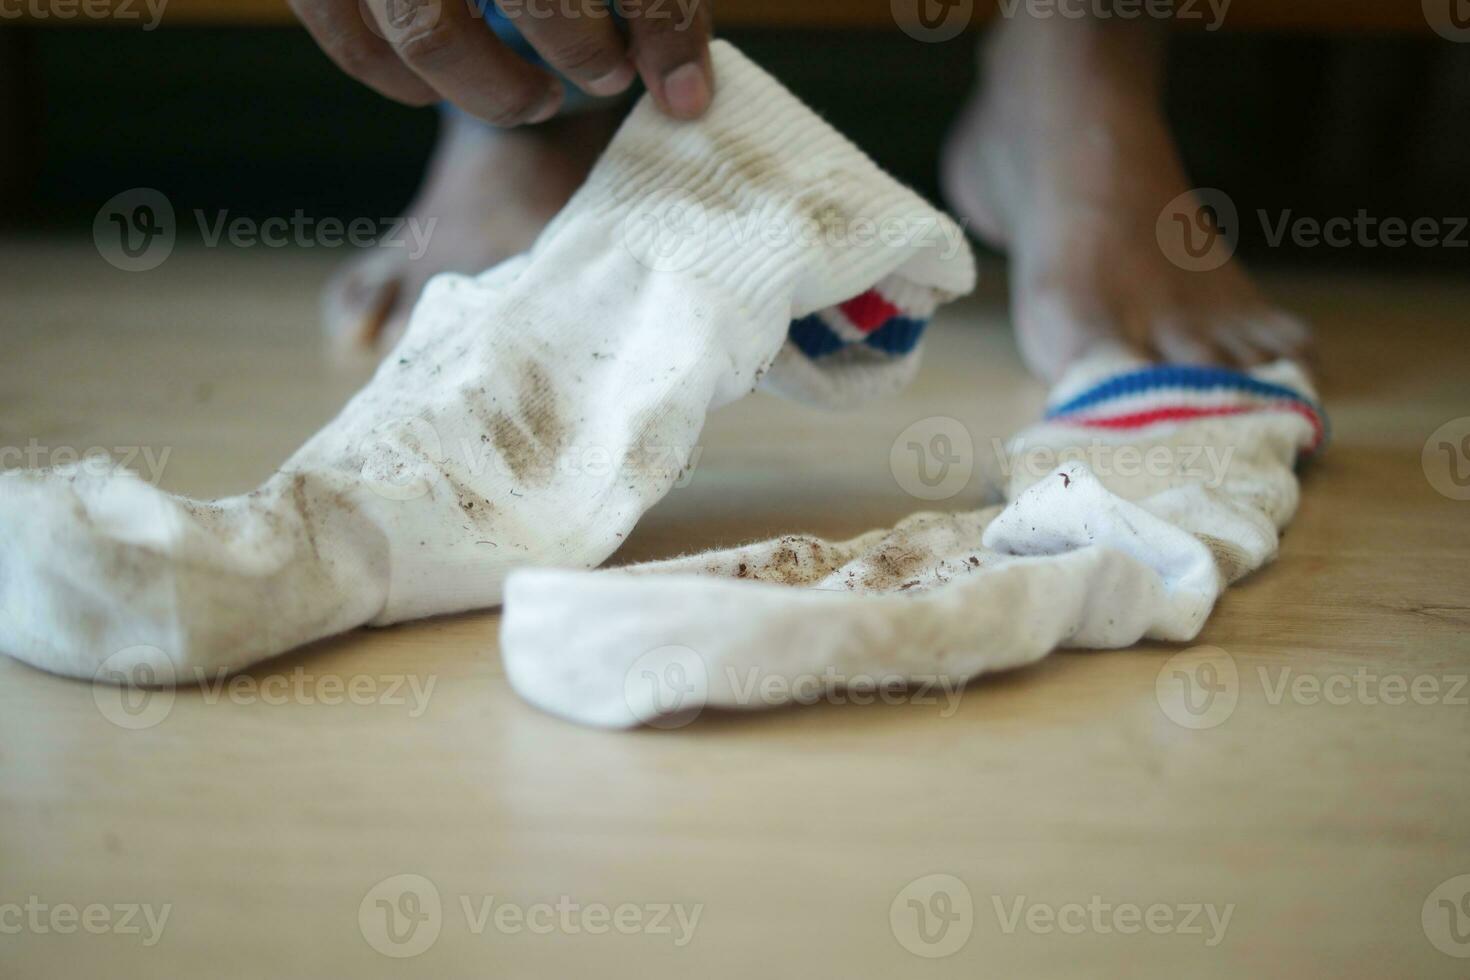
x,y
530,416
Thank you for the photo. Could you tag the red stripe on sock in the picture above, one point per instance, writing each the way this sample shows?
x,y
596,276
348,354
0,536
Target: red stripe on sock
x,y
869,311
1183,413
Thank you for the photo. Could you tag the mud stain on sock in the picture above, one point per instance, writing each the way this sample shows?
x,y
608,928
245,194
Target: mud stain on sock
x,y
515,447
476,507
894,567
734,165
539,408
529,444
797,560
303,505
1231,561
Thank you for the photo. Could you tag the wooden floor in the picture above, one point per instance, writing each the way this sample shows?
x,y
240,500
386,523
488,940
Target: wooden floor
x,y
265,823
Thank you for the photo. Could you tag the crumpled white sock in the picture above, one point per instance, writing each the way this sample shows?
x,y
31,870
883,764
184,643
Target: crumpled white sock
x,y
529,416
1146,492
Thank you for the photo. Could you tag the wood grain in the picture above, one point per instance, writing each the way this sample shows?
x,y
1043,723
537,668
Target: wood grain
x,y
265,825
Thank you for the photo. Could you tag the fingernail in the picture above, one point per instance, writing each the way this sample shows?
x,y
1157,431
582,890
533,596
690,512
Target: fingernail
x,y
548,107
614,82
686,91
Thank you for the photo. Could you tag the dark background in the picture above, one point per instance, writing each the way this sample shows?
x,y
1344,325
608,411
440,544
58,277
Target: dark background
x,y
257,121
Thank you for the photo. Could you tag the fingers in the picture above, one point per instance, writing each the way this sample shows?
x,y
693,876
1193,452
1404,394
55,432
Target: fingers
x,y
670,47
422,51
578,39
452,50
341,31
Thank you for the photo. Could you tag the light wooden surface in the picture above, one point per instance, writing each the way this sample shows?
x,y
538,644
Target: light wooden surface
x,y
263,826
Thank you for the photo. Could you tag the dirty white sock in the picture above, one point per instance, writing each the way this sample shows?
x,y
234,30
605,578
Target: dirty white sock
x,y
1146,491
529,416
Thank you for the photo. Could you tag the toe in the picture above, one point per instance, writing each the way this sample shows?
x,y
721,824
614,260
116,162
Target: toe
x,y
1281,334
1236,339
361,299
1054,332
395,325
1180,340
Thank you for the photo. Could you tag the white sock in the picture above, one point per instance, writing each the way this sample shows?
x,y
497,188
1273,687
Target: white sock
x,y
1193,481
529,416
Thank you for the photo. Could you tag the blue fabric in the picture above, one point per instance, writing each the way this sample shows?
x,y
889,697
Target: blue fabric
x,y
898,336
575,99
507,32
812,338
1190,376
1175,376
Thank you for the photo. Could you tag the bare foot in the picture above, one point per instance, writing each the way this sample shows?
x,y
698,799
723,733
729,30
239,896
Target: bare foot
x,y
1063,158
487,194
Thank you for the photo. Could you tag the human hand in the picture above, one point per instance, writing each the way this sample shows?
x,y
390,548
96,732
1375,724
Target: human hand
x,y
425,51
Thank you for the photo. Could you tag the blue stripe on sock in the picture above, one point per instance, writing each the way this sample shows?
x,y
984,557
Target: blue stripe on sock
x,y
1176,376
813,337
898,336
